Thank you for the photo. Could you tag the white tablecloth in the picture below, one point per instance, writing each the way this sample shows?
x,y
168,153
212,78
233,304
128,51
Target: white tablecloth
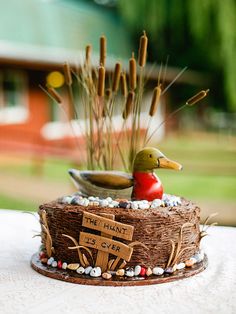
x,y
22,290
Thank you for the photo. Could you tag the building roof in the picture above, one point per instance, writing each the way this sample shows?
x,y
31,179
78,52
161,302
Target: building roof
x,y
68,25
46,33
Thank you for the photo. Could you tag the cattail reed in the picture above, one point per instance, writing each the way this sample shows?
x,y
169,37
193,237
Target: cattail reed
x,y
54,94
88,50
123,84
103,50
101,81
108,93
128,105
67,73
132,73
142,53
196,98
116,77
155,100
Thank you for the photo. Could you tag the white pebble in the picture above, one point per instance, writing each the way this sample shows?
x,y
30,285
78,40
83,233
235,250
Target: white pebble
x,y
88,270
109,199
50,261
198,258
115,203
54,264
92,198
80,270
201,253
143,206
134,205
158,271
104,203
156,203
81,202
95,272
86,202
67,199
129,273
137,270
64,265
180,266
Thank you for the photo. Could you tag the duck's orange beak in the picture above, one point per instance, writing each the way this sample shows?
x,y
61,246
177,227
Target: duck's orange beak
x,y
169,164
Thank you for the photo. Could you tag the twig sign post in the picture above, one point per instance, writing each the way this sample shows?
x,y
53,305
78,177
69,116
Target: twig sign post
x,y
104,242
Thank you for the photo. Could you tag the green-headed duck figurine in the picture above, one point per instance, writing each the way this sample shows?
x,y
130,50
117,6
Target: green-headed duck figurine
x,y
146,185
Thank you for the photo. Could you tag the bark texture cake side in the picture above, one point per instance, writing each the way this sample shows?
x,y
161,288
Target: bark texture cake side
x,y
162,236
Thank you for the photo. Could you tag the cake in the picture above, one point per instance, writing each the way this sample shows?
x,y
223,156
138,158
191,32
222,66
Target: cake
x,y
119,228
159,242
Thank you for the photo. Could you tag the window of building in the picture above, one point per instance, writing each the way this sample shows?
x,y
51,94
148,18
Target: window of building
x,y
13,96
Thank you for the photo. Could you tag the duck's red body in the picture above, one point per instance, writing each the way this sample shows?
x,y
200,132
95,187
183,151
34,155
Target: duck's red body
x,y
147,186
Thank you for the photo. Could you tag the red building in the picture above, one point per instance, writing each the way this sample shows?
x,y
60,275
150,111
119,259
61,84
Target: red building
x,y
37,39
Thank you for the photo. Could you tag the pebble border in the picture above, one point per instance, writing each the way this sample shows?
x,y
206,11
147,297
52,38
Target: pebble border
x,y
135,271
77,199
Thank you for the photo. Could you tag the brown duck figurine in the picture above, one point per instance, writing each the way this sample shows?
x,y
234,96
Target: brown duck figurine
x,y
146,185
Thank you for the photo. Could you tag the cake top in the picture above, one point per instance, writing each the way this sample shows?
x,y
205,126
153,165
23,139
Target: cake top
x,y
169,205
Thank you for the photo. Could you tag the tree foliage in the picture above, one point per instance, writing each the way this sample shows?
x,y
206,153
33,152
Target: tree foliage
x,y
200,34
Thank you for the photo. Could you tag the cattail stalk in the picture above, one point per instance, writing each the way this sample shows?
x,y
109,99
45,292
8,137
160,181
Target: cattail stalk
x,y
67,73
108,96
142,53
132,73
101,81
54,94
196,98
103,50
128,105
88,50
191,101
155,100
123,84
108,93
116,77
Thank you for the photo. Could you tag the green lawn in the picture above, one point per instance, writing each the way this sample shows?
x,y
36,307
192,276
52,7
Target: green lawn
x,y
209,172
10,202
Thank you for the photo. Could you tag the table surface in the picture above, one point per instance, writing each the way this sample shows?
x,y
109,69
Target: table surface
x,y
22,290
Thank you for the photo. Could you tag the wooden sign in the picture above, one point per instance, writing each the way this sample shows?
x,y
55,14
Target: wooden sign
x,y
108,226
102,257
106,245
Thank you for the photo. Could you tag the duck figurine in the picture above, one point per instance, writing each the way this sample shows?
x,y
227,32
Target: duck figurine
x,y
143,184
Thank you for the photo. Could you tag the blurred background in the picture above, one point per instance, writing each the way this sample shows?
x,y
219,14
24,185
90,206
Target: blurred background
x,y
38,36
